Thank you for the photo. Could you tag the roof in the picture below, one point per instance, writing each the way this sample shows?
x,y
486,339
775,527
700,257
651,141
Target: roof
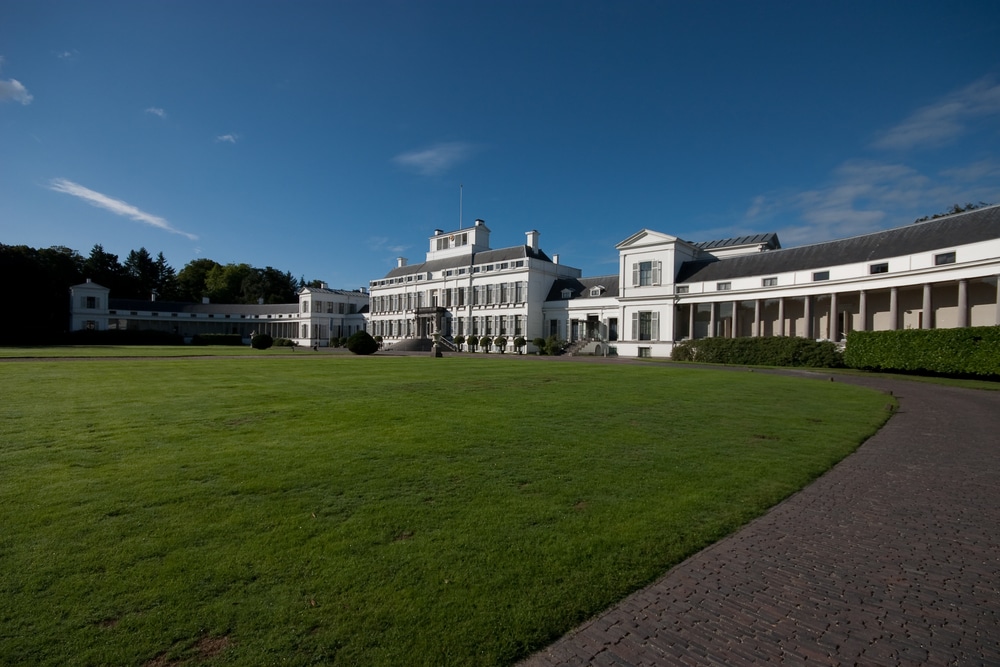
x,y
938,234
188,307
580,287
479,258
769,239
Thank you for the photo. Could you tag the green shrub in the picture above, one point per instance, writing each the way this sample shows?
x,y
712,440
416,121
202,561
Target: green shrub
x,y
519,344
459,341
362,343
379,339
969,351
539,344
472,342
261,342
773,351
501,342
485,343
554,345
284,342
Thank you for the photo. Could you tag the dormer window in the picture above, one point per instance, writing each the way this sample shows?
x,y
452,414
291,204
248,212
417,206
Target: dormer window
x,y
567,294
596,291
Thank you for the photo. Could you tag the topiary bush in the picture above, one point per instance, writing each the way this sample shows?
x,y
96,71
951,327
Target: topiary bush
x,y
459,341
500,342
261,341
362,343
966,352
485,343
539,344
754,351
472,342
519,344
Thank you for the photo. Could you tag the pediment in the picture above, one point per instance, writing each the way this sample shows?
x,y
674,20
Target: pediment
x,y
646,237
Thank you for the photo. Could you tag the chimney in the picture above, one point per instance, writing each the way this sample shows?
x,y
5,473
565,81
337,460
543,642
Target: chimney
x,y
152,295
260,301
89,280
400,262
555,259
204,300
533,240
480,223
438,232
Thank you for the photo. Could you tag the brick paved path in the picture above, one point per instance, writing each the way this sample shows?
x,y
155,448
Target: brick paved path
x,y
891,558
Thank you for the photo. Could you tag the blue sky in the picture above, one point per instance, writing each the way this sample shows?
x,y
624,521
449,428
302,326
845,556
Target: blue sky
x,y
327,138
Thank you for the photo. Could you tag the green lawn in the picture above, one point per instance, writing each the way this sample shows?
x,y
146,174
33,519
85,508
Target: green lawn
x,y
373,510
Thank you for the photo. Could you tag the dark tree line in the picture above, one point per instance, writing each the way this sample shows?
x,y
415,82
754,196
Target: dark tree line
x,y
38,282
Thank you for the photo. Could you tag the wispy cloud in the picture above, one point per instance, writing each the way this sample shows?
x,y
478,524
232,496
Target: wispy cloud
x,y
12,89
227,138
116,206
68,55
381,244
156,111
865,196
941,122
435,159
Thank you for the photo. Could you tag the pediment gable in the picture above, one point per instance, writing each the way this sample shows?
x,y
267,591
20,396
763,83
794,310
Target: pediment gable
x,y
647,237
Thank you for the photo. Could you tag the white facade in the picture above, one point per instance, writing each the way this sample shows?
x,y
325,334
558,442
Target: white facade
x,y
466,288
940,273
318,315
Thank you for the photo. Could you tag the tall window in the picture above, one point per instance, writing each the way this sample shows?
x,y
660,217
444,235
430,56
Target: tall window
x,y
646,325
646,273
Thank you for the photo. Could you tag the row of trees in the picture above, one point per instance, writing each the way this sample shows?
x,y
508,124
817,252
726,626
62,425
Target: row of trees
x,y
38,283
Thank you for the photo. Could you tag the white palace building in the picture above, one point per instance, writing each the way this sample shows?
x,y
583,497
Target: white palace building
x,y
939,273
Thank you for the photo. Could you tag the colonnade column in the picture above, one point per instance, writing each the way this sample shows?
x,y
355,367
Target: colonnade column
x,y
736,308
963,303
893,308
781,316
756,318
711,320
926,324
833,317
691,310
863,307
807,314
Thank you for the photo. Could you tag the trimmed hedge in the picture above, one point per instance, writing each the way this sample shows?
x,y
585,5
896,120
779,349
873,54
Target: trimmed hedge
x,y
217,339
774,351
261,341
969,351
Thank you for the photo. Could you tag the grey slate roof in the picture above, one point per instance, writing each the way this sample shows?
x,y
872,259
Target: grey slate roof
x,y
581,287
479,258
769,239
939,234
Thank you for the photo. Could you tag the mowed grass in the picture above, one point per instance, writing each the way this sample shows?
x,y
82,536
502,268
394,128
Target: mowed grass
x,y
374,511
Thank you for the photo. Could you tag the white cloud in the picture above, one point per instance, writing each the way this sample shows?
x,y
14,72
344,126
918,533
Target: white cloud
x,y
227,138
435,159
12,89
939,123
116,206
865,196
156,111
68,55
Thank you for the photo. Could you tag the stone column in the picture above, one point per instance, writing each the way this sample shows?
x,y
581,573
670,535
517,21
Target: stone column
x,y
863,308
711,320
691,311
927,307
736,308
781,316
834,317
807,315
756,318
893,308
963,303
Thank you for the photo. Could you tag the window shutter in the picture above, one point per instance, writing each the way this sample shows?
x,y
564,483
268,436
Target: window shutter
x,y
635,274
635,326
656,272
654,326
